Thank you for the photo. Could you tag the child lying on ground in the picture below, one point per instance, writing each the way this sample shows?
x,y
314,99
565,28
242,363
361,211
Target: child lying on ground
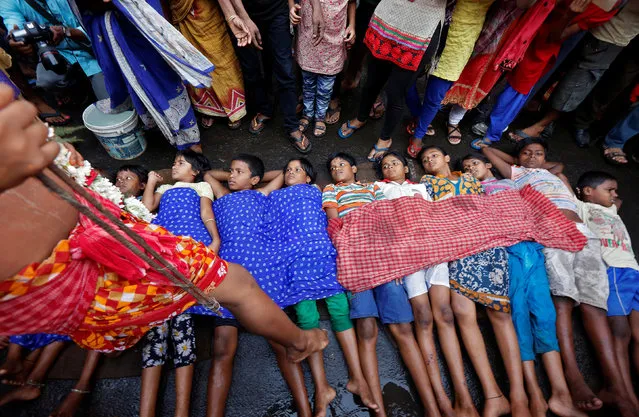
x,y
575,279
396,184
533,313
184,209
598,191
481,278
131,180
388,302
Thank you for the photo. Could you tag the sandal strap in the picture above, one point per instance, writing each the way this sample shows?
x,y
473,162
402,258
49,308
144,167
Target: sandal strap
x,y
33,383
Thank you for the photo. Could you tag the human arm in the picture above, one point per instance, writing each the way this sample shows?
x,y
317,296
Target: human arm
x,y
275,181
214,178
500,160
554,167
318,22
254,32
237,25
564,179
150,198
329,201
293,13
562,28
208,218
349,35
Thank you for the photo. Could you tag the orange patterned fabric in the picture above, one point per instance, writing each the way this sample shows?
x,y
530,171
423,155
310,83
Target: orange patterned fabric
x,y
98,292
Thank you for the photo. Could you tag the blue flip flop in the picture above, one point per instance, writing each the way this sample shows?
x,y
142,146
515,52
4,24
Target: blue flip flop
x,y
351,127
475,143
377,150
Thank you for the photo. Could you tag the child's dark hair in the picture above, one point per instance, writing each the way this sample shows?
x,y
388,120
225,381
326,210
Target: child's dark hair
x,y
428,148
306,166
592,179
198,161
530,141
341,155
402,159
480,157
255,164
138,170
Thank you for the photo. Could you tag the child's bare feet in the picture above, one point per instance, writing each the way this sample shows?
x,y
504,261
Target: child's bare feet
x,y
29,391
314,341
619,400
13,369
465,409
582,395
519,408
70,405
496,406
562,405
360,388
537,403
322,399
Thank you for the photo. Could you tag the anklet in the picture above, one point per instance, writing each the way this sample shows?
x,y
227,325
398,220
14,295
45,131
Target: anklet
x,y
79,391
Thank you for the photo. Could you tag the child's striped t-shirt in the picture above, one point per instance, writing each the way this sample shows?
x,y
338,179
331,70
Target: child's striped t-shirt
x,y
346,198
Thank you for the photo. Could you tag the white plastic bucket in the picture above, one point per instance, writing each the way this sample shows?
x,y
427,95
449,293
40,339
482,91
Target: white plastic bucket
x,y
120,133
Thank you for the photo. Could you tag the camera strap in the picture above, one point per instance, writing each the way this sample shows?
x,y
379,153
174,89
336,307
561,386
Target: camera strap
x,y
39,8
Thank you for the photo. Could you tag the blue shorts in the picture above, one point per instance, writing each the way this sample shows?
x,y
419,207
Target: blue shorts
x,y
624,291
388,302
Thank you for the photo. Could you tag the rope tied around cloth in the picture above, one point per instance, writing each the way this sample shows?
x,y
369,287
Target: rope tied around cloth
x,y
156,261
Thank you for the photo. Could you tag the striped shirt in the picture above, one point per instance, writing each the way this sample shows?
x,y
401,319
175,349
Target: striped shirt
x,y
546,183
346,198
493,185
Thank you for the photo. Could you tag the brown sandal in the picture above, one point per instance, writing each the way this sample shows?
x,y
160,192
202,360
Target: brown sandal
x,y
258,122
320,129
297,143
304,123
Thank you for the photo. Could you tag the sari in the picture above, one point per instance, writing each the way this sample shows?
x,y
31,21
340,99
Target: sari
x,y
502,43
201,22
145,58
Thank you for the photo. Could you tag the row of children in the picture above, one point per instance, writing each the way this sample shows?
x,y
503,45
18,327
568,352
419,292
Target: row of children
x,y
259,227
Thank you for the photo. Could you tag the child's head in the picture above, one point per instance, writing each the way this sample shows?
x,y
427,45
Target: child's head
x,y
131,180
477,165
246,172
189,166
597,187
531,152
394,167
434,159
299,171
342,167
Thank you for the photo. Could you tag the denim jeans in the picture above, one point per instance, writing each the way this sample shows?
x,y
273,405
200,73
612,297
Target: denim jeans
x,y
317,89
624,129
276,59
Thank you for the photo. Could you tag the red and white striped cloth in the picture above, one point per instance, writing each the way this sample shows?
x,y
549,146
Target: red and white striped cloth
x,y
389,239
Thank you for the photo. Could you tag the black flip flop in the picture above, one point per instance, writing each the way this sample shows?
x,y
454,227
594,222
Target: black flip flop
x,y
297,143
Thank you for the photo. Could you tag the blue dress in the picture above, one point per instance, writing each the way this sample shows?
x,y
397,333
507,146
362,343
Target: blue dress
x,y
179,213
37,340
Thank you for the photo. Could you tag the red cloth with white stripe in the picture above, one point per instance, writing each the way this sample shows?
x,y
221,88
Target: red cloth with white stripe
x,y
389,239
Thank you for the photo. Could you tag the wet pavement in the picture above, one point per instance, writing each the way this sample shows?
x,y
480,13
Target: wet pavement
x,y
258,389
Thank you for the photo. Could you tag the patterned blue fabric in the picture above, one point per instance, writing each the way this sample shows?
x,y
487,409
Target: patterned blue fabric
x,y
281,241
38,340
179,213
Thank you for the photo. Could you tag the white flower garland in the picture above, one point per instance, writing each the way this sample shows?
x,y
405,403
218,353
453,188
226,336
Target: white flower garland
x,y
101,185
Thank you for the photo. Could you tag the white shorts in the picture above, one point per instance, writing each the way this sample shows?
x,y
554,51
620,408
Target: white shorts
x,y
419,282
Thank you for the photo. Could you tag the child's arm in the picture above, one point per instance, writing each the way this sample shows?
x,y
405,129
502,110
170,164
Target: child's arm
x,y
150,198
554,167
213,178
206,212
275,181
293,13
500,160
329,201
565,181
349,35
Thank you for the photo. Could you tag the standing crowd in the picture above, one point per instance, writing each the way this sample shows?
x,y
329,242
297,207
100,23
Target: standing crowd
x,y
183,64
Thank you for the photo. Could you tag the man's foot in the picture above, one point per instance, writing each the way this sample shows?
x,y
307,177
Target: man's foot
x,y
582,395
322,399
71,404
496,406
615,156
360,388
620,401
582,138
563,406
381,147
313,341
29,391
538,405
258,122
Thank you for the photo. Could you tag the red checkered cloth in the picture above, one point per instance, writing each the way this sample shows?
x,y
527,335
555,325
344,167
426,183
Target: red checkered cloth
x,y
389,239
97,291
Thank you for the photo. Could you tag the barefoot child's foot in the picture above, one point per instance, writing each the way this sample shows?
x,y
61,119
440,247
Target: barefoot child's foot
x,y
465,410
322,399
360,388
583,397
538,405
11,373
563,406
71,403
496,406
29,391
520,408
